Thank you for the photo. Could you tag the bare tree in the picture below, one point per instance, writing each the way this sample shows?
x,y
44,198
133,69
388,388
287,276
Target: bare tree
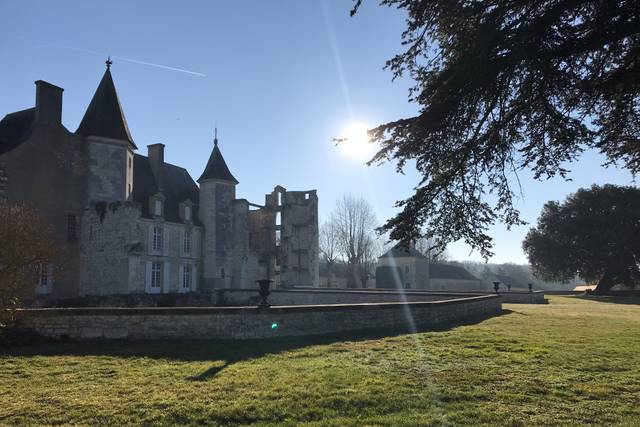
x,y
26,246
355,223
329,247
370,253
432,249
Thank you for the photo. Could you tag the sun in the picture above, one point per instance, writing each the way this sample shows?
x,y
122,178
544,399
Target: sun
x,y
355,142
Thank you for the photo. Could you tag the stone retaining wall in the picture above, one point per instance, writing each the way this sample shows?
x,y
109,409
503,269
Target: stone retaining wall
x,y
252,322
226,297
535,297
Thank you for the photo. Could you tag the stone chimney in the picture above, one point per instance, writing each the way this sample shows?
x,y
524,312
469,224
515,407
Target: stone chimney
x,y
156,160
48,103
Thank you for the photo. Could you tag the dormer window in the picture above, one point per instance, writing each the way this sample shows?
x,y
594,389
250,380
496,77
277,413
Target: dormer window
x,y
156,205
186,211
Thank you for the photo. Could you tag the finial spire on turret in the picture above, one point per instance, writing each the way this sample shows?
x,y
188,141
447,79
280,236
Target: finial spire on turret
x,y
216,166
109,62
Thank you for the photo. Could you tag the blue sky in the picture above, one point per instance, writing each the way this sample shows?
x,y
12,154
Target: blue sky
x,y
281,80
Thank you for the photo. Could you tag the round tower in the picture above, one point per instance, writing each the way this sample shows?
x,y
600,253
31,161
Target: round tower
x,y
217,193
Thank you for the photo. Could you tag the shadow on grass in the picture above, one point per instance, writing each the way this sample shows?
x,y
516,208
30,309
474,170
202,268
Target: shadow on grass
x,y
226,352
611,299
506,311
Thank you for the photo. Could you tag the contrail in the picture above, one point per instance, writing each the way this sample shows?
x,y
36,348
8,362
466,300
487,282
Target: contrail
x,y
135,61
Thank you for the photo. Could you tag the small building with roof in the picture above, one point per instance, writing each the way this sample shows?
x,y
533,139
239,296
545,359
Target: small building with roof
x,y
136,224
404,267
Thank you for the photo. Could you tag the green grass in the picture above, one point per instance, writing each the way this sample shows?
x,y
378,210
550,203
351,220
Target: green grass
x,y
574,361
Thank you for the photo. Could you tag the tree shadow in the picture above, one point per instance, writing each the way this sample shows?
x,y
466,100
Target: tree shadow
x,y
225,352
506,311
611,299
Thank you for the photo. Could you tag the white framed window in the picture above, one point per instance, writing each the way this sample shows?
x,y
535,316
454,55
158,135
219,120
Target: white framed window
x,y
187,278
187,213
156,276
44,278
157,238
157,207
187,243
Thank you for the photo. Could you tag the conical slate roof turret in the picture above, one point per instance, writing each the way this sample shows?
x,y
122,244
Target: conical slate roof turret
x,y
104,116
216,166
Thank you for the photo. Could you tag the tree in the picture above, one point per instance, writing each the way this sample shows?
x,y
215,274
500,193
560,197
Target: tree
x,y
355,224
329,247
27,245
433,250
504,86
595,234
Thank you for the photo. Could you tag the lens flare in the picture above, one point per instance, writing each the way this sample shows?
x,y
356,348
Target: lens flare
x,y
355,142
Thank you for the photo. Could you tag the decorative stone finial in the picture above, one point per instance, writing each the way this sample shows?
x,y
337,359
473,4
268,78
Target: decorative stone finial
x,y
215,136
109,62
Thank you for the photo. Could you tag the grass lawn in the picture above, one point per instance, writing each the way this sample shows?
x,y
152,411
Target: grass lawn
x,y
574,361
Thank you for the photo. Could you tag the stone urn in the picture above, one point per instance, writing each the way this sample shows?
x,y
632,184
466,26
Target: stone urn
x,y
264,291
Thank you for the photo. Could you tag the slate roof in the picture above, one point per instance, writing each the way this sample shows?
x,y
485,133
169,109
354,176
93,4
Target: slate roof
x,y
16,128
401,251
216,167
177,187
104,116
448,271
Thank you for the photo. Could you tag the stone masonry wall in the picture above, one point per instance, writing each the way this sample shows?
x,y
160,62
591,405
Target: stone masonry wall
x,y
317,296
116,251
252,322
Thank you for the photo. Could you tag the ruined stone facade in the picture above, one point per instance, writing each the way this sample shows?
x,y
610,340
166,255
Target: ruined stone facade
x,y
132,224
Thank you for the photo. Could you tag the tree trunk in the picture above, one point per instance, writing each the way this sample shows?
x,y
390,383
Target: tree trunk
x,y
605,284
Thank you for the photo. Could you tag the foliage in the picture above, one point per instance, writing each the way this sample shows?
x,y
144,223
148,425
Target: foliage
x,y
504,86
26,244
595,234
571,362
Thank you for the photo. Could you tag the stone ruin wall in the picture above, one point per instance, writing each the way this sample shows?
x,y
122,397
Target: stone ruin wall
x,y
287,243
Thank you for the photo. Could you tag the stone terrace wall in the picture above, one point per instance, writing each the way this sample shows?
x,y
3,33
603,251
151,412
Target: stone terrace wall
x,y
252,322
235,297
535,297
515,297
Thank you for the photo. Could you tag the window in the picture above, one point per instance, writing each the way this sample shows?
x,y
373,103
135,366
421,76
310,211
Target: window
x,y
187,213
156,275
222,273
157,207
72,228
157,238
43,278
186,278
186,248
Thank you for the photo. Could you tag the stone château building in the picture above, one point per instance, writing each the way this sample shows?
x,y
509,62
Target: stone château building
x,y
130,223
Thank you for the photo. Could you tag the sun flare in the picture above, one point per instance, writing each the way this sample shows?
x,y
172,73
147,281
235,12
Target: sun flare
x,y
355,142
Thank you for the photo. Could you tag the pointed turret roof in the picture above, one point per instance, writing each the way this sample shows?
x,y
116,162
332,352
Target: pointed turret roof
x,y
104,116
216,166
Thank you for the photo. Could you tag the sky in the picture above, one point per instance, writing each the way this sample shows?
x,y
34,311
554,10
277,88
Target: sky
x,y
280,80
